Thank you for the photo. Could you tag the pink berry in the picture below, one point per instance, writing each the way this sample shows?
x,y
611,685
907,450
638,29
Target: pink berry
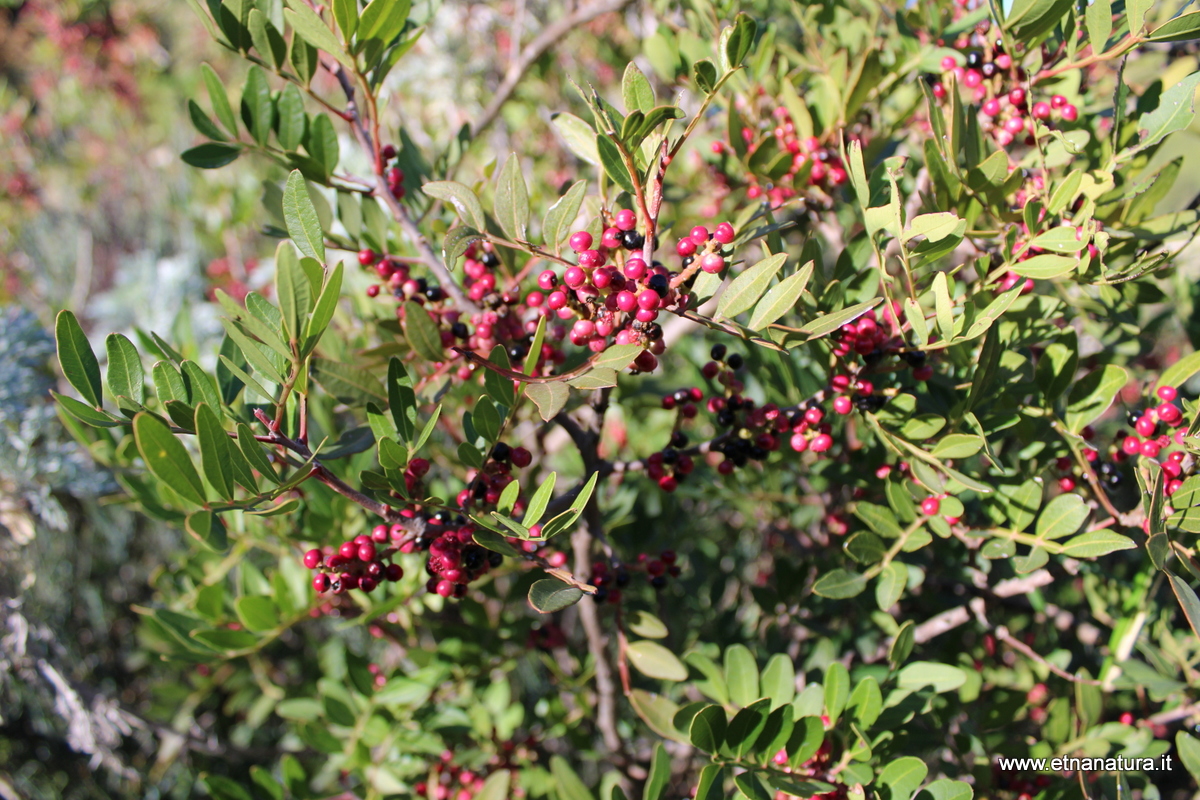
x,y
547,280
724,233
580,241
1070,113
648,300
1167,393
1017,97
821,442
1014,125
1003,61
712,263
698,235
685,247
1066,483
972,79
556,300
1057,101
575,277
842,404
949,63
930,506
589,258
991,107
1041,111
312,559
635,269
626,220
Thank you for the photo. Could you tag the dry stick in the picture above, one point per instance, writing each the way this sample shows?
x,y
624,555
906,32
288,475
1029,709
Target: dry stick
x,y
534,50
399,213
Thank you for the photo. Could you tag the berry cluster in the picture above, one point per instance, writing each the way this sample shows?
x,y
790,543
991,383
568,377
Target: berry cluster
x,y
990,78
825,169
610,580
485,485
874,340
817,766
454,782
454,558
1148,438
356,564
394,175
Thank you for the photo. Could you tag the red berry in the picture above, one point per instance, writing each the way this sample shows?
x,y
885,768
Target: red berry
x,y
1041,111
393,572
312,559
367,584
373,290
949,63
821,442
320,582
367,257
626,220
444,588
991,107
1058,101
930,506
521,457
923,373
1014,125
724,233
366,552
725,467
842,404
1167,393
580,241
1017,97
1070,113
1067,483
699,235
685,248
712,263
814,415
547,280
1150,449
648,300
1144,425
1168,413
348,550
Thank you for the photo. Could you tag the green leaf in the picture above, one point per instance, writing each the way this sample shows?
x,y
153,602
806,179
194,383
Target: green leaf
x,y
314,30
840,584
741,672
866,702
1028,20
1063,239
779,680
579,137
512,200
781,298
748,287
829,323
496,786
737,41
751,787
257,612
75,357
902,645
1092,396
934,227
383,20
614,165
1056,368
1189,752
946,789
207,528
541,498
347,382
1062,516
1034,560
890,585
215,457
1181,29
166,458
322,144
878,519
745,727
550,594
126,376
548,397
257,109
568,518
1096,543
707,731
1176,110
422,332
168,383
402,400
203,123
560,217
904,776
324,309
957,445
293,290
944,306
1179,372
345,14
636,90
837,690
644,624
942,677
655,661
219,99
301,217
567,784
253,452
85,413
1044,267
657,712
293,122
465,201
660,775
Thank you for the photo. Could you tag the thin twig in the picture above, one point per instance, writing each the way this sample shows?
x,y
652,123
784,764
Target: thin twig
x,y
549,36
